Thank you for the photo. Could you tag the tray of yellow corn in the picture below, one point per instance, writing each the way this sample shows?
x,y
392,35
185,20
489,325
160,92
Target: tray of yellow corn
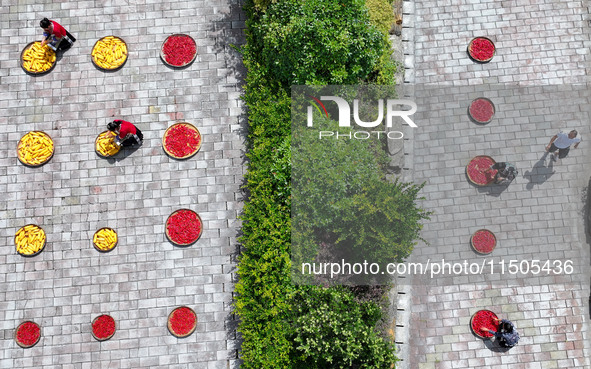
x,y
105,239
109,53
104,144
37,59
35,148
30,240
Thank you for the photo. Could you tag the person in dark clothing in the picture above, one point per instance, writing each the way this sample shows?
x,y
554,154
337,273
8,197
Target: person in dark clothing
x,y
506,334
506,172
127,133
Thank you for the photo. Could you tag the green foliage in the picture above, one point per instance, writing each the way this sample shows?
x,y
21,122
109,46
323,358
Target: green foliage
x,y
381,14
289,42
340,196
316,42
333,330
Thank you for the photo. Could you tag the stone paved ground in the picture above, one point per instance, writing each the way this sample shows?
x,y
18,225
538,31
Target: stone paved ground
x,y
539,216
77,192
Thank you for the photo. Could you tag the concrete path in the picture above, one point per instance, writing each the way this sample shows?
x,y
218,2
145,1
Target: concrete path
x,y
540,216
76,193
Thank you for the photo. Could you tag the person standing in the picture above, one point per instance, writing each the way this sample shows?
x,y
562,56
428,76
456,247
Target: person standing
x,y
54,34
560,144
127,133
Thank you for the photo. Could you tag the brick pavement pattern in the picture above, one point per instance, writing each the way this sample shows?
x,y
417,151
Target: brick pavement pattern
x,y
144,277
541,215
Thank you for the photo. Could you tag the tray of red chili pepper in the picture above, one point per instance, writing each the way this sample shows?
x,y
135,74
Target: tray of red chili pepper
x,y
178,50
481,49
181,140
103,327
481,110
184,227
483,241
477,170
27,334
484,319
182,321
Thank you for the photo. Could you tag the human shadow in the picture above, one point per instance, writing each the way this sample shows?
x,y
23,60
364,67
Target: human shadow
x,y
494,346
539,173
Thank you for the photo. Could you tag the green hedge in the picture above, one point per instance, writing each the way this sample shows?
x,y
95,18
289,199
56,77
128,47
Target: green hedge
x,y
296,42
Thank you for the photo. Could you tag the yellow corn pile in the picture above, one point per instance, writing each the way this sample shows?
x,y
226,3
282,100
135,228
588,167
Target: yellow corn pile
x,y
29,240
105,239
37,58
109,52
105,144
35,148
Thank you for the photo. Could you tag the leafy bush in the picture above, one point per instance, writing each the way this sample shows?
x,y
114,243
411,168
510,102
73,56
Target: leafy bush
x,y
333,330
316,42
381,14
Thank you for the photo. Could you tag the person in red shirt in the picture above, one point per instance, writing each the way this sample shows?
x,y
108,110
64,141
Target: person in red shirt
x,y
127,133
54,34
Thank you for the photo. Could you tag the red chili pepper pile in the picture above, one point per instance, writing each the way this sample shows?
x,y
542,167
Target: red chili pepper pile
x,y
482,110
484,241
181,140
103,326
28,333
482,49
179,50
484,318
183,227
182,321
476,169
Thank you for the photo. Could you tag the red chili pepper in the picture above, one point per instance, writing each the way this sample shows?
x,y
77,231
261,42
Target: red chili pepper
x,y
183,227
181,140
482,49
182,321
476,170
179,50
103,326
484,319
484,241
482,110
28,333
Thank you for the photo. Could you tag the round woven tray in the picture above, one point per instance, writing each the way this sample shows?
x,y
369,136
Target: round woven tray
x,y
21,344
105,338
480,121
468,173
189,125
112,247
96,144
114,68
478,60
20,142
182,244
42,247
23,62
163,57
477,331
169,324
472,242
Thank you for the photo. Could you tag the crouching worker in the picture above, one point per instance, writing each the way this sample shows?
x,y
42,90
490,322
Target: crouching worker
x,y
55,36
127,133
506,335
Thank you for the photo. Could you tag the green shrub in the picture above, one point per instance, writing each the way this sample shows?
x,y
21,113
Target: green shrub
x,y
333,330
316,42
381,14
